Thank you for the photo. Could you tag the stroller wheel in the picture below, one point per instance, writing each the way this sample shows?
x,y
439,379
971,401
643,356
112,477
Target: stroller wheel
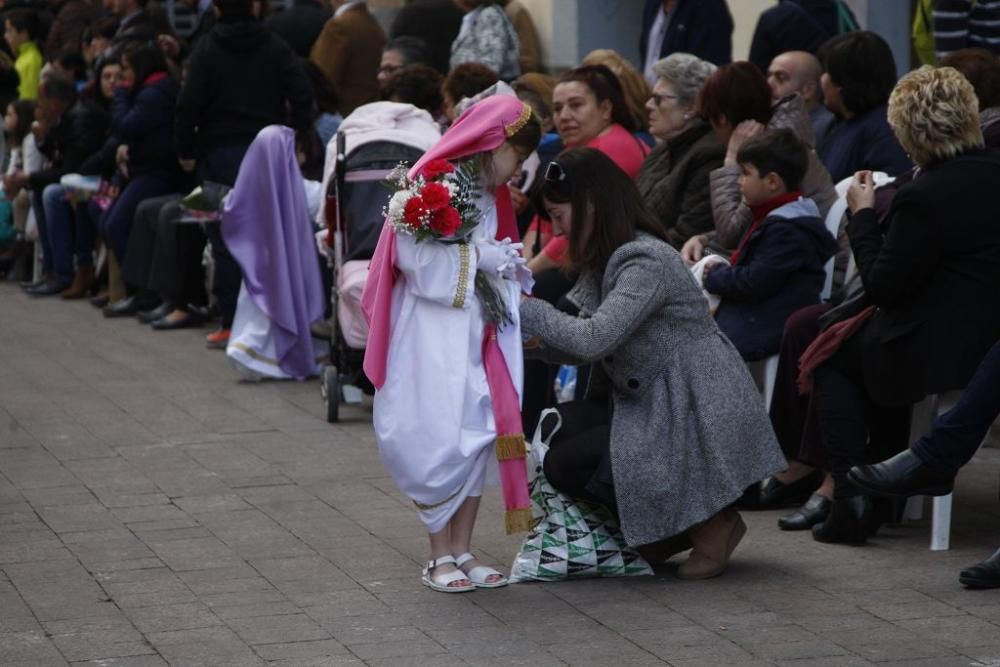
x,y
330,389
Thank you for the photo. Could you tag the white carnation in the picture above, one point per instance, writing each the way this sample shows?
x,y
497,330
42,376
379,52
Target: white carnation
x,y
398,203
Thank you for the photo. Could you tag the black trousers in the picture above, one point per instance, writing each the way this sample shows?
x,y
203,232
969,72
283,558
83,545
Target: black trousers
x,y
854,428
578,463
176,272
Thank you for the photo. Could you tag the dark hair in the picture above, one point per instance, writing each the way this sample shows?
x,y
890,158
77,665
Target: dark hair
x,y
413,49
25,20
103,27
861,65
603,83
466,80
777,151
57,87
737,92
608,210
323,89
417,84
145,59
71,60
533,98
25,110
234,11
982,69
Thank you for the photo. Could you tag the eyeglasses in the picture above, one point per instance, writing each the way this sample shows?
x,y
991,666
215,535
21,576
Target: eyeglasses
x,y
388,69
658,99
554,173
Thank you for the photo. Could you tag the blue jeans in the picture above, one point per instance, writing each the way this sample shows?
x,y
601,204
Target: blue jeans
x,y
116,223
958,433
69,230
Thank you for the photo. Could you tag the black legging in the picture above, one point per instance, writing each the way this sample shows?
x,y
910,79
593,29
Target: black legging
x,y
579,460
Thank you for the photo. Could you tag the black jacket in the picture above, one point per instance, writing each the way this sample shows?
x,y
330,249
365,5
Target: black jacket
x,y
700,27
79,134
300,25
934,277
145,123
240,79
798,25
437,22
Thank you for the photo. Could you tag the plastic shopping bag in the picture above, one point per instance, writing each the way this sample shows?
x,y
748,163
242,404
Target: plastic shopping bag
x,y
572,538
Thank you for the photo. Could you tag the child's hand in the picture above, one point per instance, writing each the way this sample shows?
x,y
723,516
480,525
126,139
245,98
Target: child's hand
x,y
693,250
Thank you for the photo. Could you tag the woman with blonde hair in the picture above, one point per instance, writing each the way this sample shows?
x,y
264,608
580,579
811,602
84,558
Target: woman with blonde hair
x,y
927,271
633,84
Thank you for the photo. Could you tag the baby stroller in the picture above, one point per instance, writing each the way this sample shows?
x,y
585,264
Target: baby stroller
x,y
370,144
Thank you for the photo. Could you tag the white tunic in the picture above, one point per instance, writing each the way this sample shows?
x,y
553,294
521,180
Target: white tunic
x,y
433,416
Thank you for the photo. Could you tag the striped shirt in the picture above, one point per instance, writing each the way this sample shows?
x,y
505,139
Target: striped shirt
x,y
962,24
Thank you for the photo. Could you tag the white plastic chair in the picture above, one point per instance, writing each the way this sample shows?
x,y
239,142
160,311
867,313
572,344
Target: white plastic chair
x,y
924,414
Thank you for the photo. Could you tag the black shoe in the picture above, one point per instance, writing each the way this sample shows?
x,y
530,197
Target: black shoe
x,y
775,494
158,313
902,475
850,521
189,320
49,288
815,511
124,308
99,300
982,575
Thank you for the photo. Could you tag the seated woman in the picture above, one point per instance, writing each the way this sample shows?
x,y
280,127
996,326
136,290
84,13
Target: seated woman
x,y
927,328
779,265
858,74
736,101
674,179
143,123
590,110
681,431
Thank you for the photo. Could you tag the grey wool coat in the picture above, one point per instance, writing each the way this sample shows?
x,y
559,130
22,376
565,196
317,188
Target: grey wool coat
x,y
689,432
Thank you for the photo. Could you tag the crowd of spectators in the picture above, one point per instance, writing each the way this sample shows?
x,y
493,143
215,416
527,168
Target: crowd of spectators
x,y
112,117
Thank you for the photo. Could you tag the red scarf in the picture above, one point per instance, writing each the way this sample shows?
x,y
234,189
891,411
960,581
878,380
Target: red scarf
x,y
760,212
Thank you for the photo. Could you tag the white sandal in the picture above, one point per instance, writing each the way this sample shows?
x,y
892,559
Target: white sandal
x,y
479,574
440,582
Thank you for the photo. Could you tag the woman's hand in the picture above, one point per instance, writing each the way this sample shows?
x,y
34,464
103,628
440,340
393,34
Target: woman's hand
x,y
861,193
744,131
693,250
519,200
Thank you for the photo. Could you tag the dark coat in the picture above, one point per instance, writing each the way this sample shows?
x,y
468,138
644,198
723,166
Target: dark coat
x,y
780,270
674,182
437,22
72,18
300,25
796,25
79,134
701,27
864,142
145,123
240,79
934,277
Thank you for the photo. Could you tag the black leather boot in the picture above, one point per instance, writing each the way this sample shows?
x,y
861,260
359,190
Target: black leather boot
x,y
850,522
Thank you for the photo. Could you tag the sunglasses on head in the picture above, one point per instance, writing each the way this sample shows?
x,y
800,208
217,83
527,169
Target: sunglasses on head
x,y
554,173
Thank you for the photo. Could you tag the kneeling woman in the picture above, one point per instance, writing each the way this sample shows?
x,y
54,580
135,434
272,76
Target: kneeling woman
x,y
681,430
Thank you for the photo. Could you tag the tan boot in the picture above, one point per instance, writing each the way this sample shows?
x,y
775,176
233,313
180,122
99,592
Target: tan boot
x,y
714,542
116,288
82,282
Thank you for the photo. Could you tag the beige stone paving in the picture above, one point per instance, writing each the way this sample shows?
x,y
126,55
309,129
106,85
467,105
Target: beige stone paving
x,y
155,511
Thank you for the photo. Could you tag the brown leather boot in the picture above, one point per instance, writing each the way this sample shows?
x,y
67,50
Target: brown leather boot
x,y
116,287
83,280
714,542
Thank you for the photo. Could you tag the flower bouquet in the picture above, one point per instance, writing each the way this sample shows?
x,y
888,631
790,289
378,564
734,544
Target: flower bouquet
x,y
440,204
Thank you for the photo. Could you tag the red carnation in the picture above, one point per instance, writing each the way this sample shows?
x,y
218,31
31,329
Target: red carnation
x,y
445,221
414,211
435,196
436,168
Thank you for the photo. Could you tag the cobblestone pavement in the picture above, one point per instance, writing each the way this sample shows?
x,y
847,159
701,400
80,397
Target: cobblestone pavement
x,y
155,511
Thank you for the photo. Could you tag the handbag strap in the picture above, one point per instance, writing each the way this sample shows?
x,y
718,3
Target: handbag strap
x,y
538,439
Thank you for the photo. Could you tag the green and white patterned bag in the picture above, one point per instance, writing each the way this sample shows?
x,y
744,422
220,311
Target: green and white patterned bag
x,y
572,539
